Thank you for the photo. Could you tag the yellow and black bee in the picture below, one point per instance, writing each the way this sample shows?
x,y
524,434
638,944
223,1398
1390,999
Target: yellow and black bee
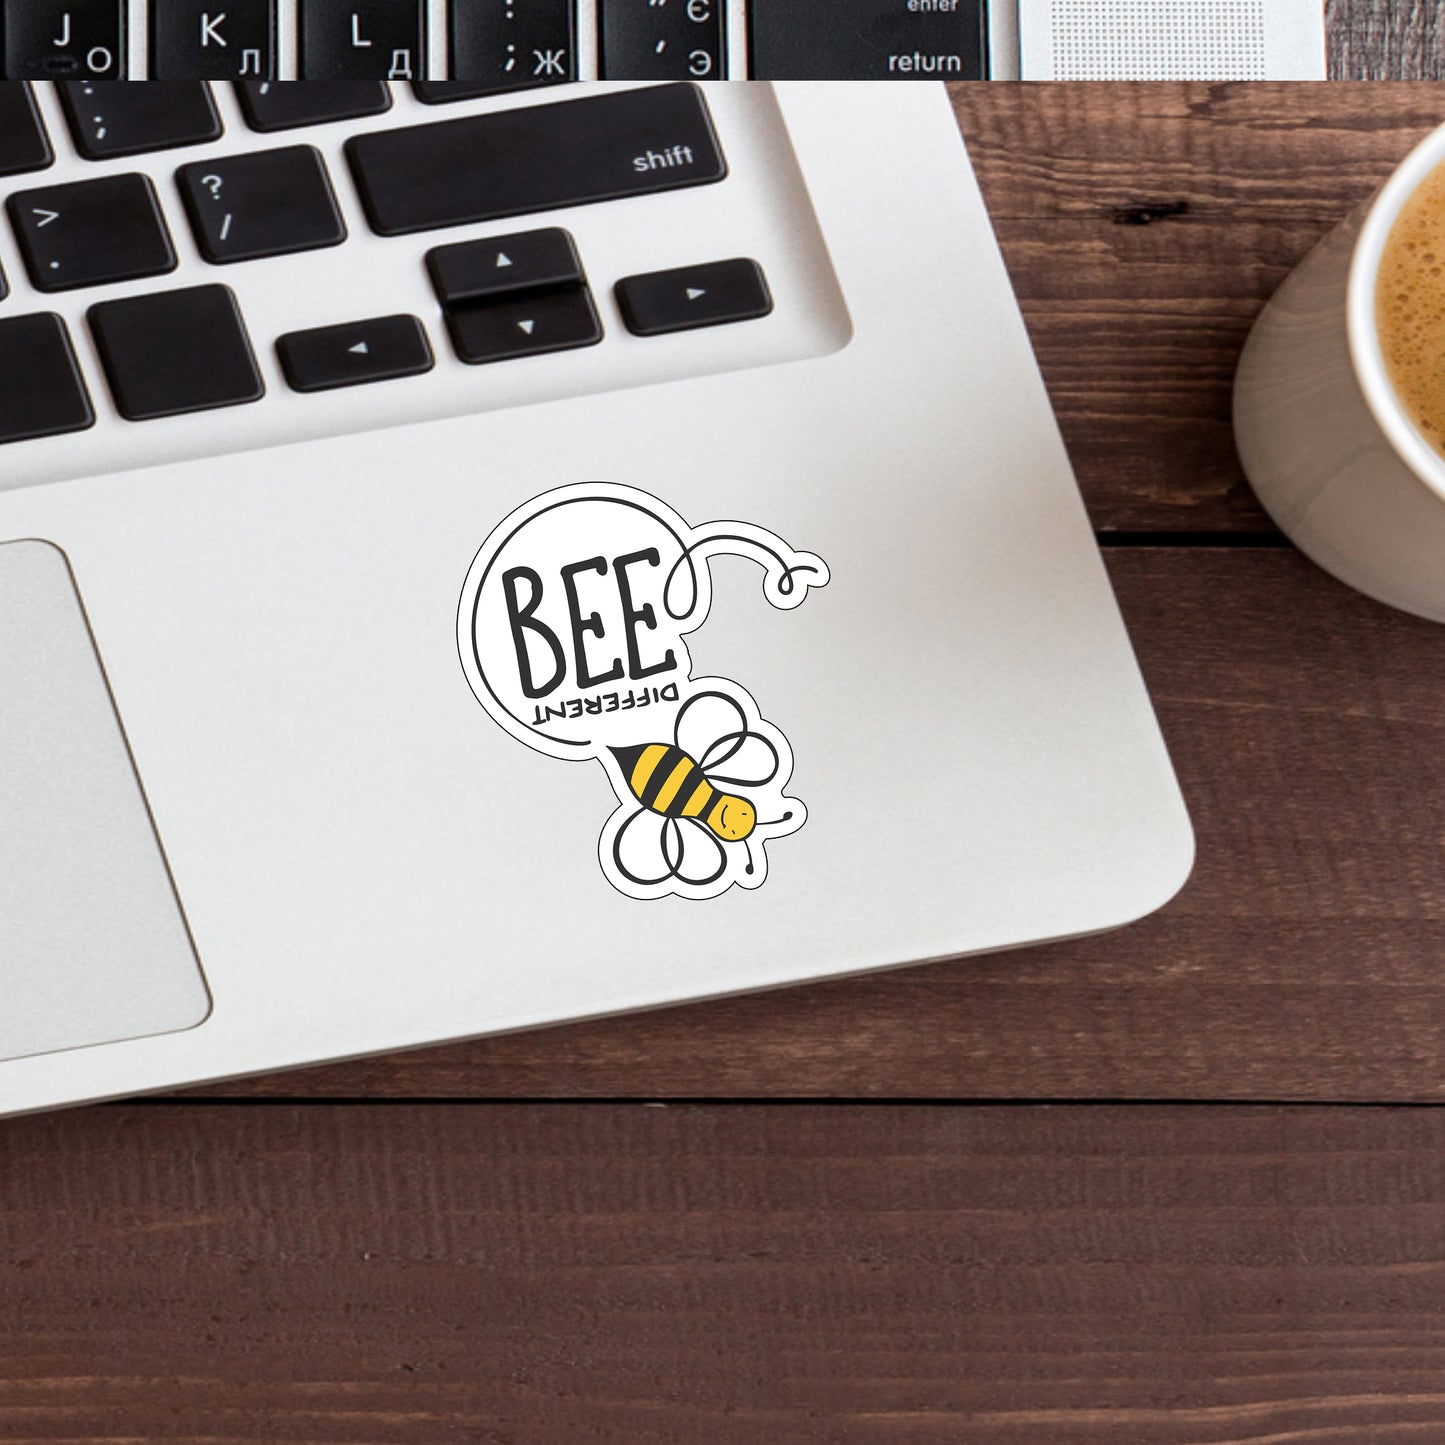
x,y
681,799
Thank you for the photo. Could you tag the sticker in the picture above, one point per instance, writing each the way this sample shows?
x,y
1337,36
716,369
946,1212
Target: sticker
x,y
571,630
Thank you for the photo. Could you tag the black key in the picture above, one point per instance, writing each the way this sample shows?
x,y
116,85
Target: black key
x,y
175,352
269,203
41,390
528,325
880,40
288,104
361,351
121,118
24,146
213,39
4,286
664,39
444,92
694,296
90,233
482,270
363,39
501,45
61,39
537,158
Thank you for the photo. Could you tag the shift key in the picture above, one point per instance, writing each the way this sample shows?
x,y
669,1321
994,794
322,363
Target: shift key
x,y
535,158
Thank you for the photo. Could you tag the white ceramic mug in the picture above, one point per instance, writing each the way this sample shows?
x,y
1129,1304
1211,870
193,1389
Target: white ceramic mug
x,y
1332,454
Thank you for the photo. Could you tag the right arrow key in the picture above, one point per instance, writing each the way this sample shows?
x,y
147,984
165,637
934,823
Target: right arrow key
x,y
690,297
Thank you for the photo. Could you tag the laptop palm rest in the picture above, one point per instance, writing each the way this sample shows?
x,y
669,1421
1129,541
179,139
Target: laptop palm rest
x,y
93,946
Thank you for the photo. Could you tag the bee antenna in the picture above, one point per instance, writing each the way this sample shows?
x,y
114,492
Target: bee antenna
x,y
786,818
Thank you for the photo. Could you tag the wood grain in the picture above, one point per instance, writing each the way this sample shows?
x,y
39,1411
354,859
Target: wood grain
x,y
1304,960
1144,227
1386,39
809,1275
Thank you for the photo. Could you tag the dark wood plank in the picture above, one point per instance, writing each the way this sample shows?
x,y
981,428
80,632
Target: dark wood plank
x,y
1303,960
551,1275
1386,39
1144,226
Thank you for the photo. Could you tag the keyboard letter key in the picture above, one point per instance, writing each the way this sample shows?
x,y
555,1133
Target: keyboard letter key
x,y
537,158
65,39
213,39
363,39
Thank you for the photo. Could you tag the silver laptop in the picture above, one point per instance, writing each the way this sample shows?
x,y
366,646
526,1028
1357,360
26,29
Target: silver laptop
x,y
504,44
470,567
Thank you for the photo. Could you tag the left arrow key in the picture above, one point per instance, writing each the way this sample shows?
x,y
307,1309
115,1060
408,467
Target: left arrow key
x,y
381,349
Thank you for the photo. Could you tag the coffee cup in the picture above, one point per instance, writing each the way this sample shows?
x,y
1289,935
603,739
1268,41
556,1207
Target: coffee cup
x,y
1326,439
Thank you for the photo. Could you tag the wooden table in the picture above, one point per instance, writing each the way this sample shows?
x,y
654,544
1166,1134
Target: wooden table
x,y
589,1235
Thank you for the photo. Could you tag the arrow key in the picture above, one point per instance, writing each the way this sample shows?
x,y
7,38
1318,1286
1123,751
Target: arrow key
x,y
694,296
529,325
358,352
90,233
527,260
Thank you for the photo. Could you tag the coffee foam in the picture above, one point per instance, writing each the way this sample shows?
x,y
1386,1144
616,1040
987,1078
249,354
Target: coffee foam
x,y
1410,307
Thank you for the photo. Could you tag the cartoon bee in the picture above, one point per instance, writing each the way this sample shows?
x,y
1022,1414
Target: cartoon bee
x,y
685,817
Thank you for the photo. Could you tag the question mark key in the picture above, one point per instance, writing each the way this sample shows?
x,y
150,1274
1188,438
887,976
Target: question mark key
x,y
268,203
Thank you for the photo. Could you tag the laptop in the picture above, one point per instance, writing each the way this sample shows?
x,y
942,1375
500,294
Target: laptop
x,y
478,566
503,44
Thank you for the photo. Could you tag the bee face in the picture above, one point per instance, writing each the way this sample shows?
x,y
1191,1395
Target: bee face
x,y
732,819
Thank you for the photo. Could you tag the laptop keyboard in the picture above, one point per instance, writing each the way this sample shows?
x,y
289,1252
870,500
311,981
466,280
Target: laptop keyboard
x,y
494,45
197,269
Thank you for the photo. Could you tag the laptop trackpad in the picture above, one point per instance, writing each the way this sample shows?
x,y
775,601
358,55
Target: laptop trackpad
x,y
93,946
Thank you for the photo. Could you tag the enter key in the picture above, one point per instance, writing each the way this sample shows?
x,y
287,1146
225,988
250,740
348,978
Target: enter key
x,y
878,40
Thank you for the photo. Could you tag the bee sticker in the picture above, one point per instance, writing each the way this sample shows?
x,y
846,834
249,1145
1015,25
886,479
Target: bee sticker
x,y
571,630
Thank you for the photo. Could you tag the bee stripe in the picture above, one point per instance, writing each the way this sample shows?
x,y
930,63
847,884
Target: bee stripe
x,y
661,771
645,767
701,796
673,784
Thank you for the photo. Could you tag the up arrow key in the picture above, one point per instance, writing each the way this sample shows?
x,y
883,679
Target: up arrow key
x,y
503,259
360,349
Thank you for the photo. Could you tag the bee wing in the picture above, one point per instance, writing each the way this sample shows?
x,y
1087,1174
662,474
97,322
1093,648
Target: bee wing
x,y
637,849
649,849
712,729
694,854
